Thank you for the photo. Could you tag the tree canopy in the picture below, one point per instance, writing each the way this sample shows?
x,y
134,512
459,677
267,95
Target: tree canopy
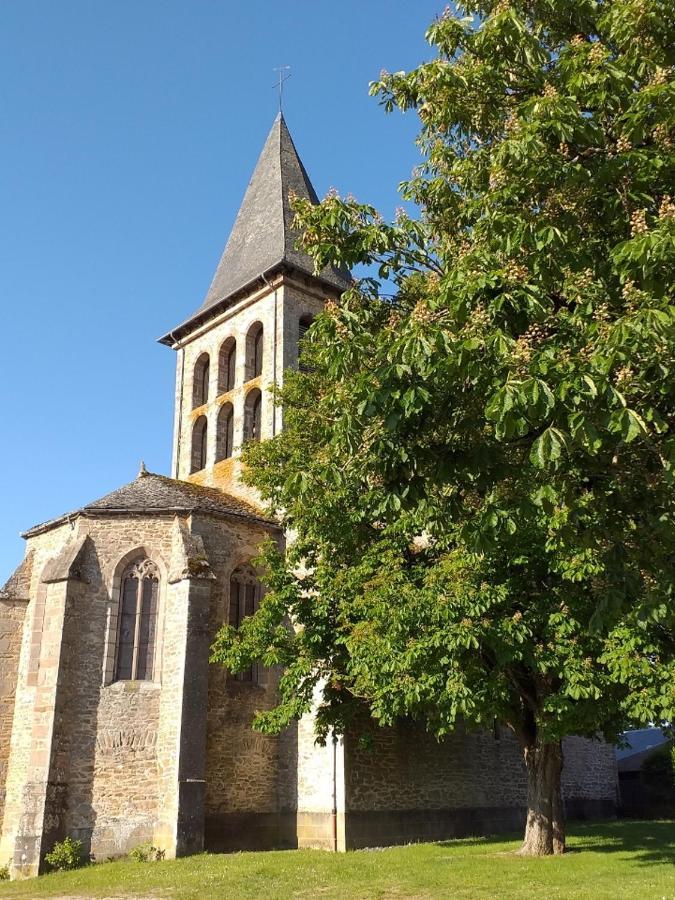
x,y
478,467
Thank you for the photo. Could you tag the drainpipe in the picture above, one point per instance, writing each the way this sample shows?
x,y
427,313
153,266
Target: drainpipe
x,y
179,424
334,810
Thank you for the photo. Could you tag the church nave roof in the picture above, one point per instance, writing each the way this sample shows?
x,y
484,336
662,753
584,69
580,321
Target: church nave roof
x,y
152,494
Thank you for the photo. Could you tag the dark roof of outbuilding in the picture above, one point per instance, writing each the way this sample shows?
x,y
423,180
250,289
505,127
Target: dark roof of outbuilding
x,y
262,238
152,494
640,745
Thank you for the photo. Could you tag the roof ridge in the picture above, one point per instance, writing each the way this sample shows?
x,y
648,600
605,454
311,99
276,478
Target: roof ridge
x,y
154,494
280,119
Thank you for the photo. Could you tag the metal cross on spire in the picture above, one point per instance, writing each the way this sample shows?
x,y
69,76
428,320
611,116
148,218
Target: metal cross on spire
x,y
280,82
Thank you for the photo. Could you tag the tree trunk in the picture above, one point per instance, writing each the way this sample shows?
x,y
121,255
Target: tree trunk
x,y
545,829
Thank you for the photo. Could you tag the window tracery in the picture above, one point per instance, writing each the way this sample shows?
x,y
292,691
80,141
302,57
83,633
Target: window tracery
x,y
245,594
137,631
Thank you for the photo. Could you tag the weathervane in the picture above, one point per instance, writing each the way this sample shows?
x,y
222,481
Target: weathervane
x,y
280,83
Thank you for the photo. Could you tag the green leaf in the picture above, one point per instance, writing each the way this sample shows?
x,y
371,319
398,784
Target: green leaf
x,y
632,426
547,448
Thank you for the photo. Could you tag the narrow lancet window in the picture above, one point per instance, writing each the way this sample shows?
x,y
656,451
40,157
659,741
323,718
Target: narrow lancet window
x,y
254,351
199,444
138,622
303,327
227,362
200,384
252,415
225,435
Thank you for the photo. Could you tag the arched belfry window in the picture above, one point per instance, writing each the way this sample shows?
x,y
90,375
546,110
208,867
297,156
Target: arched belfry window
x,y
245,594
303,327
225,432
254,351
200,382
199,444
139,590
252,415
227,361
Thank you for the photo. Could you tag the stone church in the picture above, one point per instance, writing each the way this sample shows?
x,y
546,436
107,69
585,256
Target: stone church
x,y
114,728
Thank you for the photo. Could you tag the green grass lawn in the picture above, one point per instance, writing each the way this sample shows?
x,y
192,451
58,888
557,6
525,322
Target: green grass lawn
x,y
610,860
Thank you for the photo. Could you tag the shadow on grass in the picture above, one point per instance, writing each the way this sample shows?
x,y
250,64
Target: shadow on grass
x,y
650,842
482,841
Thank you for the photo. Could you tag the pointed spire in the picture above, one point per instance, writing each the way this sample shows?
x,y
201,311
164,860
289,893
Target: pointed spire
x,y
262,237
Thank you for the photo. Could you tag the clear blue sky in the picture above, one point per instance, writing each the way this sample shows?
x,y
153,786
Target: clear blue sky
x,y
129,133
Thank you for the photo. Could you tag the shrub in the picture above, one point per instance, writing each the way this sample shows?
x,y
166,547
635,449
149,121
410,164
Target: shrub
x,y
146,853
4,873
658,770
65,855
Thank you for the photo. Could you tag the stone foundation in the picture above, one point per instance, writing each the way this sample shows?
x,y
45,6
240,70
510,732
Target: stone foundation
x,y
382,828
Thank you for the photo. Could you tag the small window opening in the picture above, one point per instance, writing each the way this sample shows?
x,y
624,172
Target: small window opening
x,y
227,366
225,433
254,351
303,327
200,384
199,445
252,415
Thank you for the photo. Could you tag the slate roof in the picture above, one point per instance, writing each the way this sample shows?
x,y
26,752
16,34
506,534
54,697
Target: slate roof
x,y
152,494
262,239
641,743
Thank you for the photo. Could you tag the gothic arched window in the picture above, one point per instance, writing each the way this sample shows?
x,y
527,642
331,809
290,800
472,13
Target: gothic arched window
x,y
139,592
254,351
227,361
245,594
225,432
199,445
200,382
252,415
303,327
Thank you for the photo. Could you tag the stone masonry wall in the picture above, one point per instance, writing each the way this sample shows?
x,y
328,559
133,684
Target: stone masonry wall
x,y
321,788
407,786
406,768
112,728
107,732
104,746
123,788
42,548
590,771
279,309
115,743
12,613
248,775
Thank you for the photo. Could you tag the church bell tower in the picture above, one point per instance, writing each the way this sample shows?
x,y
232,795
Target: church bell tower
x,y
235,348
